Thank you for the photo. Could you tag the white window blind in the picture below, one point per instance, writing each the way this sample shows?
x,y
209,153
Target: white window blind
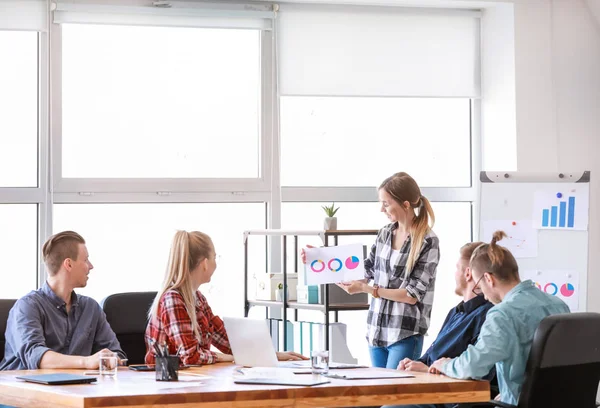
x,y
377,51
170,14
28,15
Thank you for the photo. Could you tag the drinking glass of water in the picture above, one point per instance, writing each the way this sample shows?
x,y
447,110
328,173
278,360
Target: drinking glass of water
x,y
109,362
319,361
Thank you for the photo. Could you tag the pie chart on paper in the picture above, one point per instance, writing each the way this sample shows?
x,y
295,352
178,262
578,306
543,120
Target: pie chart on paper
x,y
567,290
352,262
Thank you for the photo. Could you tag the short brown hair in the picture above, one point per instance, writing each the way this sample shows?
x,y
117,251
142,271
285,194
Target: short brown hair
x,y
496,259
60,247
466,251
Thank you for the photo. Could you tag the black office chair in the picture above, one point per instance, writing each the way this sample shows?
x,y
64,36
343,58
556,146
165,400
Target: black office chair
x,y
563,369
127,314
5,306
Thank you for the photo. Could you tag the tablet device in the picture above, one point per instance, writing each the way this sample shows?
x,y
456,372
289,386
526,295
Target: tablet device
x,y
58,379
302,381
141,367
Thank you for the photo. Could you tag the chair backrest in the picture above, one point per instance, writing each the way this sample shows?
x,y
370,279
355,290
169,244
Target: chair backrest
x,y
5,306
563,369
127,314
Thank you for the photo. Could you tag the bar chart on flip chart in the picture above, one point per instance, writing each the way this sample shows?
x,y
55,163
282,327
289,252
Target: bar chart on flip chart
x,y
563,208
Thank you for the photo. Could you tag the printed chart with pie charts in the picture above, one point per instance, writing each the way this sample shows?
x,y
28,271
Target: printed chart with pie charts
x,y
334,264
562,284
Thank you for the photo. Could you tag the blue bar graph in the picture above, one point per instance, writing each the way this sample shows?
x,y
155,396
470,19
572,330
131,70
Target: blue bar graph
x,y
571,222
559,216
563,214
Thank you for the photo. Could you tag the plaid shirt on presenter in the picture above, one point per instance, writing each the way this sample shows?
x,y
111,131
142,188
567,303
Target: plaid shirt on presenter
x,y
388,321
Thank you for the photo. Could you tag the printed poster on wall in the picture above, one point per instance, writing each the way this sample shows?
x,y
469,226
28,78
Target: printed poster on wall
x,y
521,240
335,264
561,283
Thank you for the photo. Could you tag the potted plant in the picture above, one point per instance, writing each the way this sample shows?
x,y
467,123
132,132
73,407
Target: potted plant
x,y
330,220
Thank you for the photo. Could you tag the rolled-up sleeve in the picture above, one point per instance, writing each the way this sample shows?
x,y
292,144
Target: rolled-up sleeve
x,y
25,335
491,347
423,273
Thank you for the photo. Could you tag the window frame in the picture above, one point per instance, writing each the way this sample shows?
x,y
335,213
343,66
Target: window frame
x,y
163,186
39,195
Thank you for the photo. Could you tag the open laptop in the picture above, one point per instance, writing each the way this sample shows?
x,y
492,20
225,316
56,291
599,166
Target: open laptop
x,y
252,346
250,342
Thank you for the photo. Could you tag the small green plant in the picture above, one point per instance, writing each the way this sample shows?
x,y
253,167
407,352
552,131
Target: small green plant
x,y
280,286
330,210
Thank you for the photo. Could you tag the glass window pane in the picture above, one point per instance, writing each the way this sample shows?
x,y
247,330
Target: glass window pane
x,y
453,228
160,102
18,109
129,245
18,237
341,141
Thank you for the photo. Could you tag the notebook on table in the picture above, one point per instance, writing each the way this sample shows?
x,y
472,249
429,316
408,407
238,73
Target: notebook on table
x,y
332,365
368,375
299,381
57,379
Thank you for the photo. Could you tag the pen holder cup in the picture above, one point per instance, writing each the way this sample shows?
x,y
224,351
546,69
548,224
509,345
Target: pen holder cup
x,y
167,368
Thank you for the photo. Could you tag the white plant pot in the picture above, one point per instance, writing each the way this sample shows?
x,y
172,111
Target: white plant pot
x,y
279,295
330,223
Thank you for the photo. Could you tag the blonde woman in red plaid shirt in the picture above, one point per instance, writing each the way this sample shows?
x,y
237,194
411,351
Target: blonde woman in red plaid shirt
x,y
180,316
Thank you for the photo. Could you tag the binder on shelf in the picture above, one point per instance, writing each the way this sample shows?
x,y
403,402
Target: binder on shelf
x,y
306,338
274,328
290,336
297,337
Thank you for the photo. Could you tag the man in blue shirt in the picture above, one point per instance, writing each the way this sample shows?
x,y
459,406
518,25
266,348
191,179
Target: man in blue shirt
x,y
462,325
506,336
53,327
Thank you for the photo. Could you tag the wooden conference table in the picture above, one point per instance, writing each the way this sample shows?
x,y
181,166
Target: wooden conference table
x,y
218,390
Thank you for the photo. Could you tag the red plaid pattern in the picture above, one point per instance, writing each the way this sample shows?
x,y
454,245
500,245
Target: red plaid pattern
x,y
172,326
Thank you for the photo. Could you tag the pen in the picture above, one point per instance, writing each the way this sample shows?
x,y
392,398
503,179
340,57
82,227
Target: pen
x,y
156,348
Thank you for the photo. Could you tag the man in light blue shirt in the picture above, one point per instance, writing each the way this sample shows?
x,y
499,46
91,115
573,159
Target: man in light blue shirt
x,y
507,334
53,327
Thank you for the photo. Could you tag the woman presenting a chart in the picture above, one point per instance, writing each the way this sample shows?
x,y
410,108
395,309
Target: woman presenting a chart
x,y
402,265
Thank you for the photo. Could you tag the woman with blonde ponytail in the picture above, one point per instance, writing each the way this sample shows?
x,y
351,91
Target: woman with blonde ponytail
x,y
180,317
402,265
507,334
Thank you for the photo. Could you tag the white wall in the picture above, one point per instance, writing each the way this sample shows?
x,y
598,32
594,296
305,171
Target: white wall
x,y
557,69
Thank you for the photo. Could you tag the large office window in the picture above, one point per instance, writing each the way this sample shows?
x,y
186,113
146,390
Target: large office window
x,y
129,245
19,152
18,109
160,102
18,240
354,141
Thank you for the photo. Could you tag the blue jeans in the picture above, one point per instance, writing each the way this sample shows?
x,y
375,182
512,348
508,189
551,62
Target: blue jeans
x,y
390,356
